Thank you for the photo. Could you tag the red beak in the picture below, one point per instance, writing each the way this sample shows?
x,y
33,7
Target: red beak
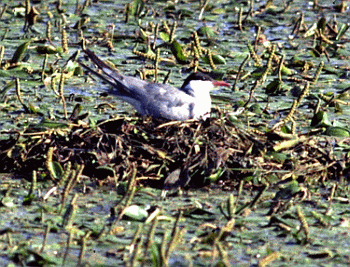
x,y
221,83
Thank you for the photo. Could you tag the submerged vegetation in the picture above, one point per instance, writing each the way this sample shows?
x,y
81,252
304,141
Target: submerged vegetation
x,y
264,181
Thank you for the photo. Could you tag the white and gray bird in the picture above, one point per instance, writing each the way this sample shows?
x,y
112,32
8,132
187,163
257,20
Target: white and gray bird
x,y
191,101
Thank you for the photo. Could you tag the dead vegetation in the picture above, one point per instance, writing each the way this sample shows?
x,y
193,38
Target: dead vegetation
x,y
202,151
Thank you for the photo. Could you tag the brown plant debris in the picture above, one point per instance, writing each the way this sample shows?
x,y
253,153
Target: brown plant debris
x,y
201,152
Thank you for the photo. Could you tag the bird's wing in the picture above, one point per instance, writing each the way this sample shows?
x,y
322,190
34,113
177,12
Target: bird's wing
x,y
135,87
123,85
158,100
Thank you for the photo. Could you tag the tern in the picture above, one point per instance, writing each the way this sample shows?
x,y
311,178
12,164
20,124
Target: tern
x,y
191,101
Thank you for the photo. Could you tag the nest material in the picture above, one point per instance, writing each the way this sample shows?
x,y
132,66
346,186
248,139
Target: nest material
x,y
191,153
198,148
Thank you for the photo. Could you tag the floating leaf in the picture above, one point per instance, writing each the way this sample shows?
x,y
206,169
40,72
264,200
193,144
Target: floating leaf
x,y
217,59
177,51
326,253
342,31
286,71
137,7
256,108
289,190
215,176
337,132
33,109
135,213
7,202
278,156
206,31
53,125
321,25
219,11
186,13
164,36
46,124
32,258
57,170
7,87
28,199
320,119
311,31
17,56
5,73
48,49
200,213
71,66
274,87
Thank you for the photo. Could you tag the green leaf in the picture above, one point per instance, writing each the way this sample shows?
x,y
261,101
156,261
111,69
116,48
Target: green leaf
x,y
28,199
164,36
206,31
7,202
177,51
321,24
137,7
33,109
48,49
286,71
278,156
274,87
135,213
7,87
215,176
320,119
46,123
17,56
342,31
337,132
71,66
217,59
156,258
288,190
57,170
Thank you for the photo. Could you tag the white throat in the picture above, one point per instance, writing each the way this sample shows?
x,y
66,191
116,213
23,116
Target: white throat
x,y
200,90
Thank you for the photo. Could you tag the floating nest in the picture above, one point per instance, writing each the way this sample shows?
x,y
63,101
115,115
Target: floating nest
x,y
171,155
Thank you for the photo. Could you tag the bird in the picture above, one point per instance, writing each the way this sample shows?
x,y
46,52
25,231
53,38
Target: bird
x,y
161,101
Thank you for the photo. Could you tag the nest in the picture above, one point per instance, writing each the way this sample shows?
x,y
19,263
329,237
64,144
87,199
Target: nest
x,y
174,154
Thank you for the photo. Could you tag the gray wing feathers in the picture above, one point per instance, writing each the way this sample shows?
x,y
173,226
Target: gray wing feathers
x,y
158,100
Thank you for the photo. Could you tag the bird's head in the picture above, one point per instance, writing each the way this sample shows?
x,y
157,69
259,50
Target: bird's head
x,y
199,83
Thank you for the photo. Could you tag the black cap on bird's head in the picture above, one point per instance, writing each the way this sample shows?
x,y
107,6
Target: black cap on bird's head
x,y
198,76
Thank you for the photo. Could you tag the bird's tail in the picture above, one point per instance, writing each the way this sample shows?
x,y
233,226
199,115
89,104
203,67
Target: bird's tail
x,y
103,66
109,75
